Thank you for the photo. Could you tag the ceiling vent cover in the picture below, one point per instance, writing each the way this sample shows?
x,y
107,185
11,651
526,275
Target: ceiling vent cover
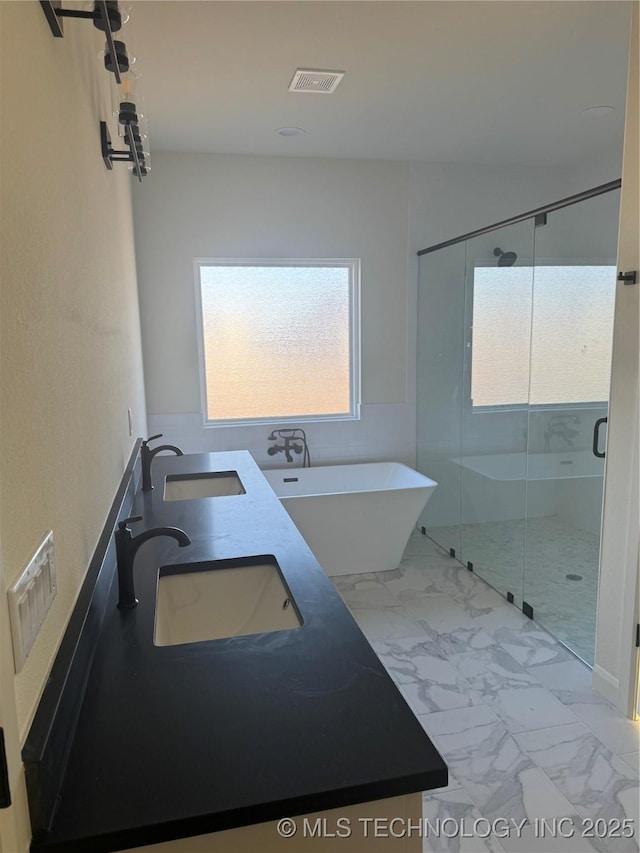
x,y
316,81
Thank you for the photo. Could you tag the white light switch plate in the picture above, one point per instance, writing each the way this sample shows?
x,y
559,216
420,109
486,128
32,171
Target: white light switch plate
x,y
30,598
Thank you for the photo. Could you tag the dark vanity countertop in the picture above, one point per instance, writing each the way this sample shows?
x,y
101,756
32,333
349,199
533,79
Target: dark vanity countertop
x,y
175,741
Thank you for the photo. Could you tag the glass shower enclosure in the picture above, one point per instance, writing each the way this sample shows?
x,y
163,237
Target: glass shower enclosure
x,y
515,327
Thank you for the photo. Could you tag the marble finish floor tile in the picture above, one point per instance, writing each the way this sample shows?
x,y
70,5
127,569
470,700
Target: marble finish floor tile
x,y
386,623
481,601
453,824
348,582
633,760
570,682
578,635
501,779
480,618
531,645
503,616
420,545
423,673
617,732
568,834
599,784
365,592
555,549
449,624
538,743
415,578
473,605
496,549
499,681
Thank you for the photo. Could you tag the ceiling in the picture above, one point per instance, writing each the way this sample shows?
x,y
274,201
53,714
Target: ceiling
x,y
500,83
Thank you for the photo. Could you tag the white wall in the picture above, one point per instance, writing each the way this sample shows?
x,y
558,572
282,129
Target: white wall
x,y
70,355
448,199
206,205
199,205
616,665
593,172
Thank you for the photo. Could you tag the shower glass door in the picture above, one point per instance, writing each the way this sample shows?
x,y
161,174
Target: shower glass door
x,y
515,329
439,395
498,298
574,280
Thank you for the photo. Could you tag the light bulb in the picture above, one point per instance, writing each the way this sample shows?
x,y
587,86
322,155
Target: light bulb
x,y
126,93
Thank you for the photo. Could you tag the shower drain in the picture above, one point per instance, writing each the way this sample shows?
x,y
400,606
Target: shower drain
x,y
572,577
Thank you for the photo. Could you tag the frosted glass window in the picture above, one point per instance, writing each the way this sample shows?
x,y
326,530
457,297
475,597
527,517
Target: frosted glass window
x,y
501,335
279,339
542,335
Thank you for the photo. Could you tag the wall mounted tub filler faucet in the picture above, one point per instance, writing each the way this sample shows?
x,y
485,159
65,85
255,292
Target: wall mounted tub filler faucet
x,y
294,439
559,425
147,458
288,446
126,549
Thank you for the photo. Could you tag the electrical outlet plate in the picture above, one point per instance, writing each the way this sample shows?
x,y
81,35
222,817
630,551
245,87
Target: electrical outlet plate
x,y
30,598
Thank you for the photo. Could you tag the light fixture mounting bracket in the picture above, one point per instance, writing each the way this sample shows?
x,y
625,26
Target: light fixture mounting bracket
x,y
111,155
54,13
52,10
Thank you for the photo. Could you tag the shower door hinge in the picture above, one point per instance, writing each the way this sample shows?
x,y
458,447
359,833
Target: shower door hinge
x,y
5,791
637,636
470,565
630,277
527,609
541,219
510,597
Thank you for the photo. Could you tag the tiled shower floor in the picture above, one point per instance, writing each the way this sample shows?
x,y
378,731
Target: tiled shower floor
x,y
510,709
554,550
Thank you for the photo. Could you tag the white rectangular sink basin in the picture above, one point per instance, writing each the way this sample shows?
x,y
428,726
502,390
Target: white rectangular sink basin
x,y
221,599
186,487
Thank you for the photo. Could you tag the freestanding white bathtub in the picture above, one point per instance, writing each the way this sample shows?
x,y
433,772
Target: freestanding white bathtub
x,y
355,518
499,487
534,466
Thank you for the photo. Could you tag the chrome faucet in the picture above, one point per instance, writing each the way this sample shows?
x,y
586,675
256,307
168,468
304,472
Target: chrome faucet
x,y
287,446
294,439
126,550
559,426
147,458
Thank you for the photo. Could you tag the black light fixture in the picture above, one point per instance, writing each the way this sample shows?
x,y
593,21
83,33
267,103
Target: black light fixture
x,y
120,64
107,17
133,154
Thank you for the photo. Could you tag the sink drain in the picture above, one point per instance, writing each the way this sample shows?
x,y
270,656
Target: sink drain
x,y
572,577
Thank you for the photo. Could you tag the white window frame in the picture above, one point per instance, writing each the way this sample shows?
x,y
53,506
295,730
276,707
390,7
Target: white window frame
x,y
353,267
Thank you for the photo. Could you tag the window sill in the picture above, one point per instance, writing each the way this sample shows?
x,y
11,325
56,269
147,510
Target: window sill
x,y
283,421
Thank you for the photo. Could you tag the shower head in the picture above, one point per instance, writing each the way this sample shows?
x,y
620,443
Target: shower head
x,y
505,259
